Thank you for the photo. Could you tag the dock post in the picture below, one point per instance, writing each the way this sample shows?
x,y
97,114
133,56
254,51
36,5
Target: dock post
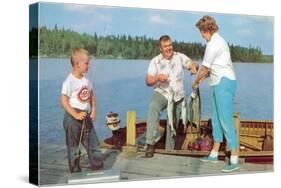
x,y
236,121
131,132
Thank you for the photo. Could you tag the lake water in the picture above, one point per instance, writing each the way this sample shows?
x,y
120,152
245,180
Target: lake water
x,y
119,86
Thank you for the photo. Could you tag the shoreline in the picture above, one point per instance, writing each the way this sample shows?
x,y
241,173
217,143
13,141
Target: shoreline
x,y
106,58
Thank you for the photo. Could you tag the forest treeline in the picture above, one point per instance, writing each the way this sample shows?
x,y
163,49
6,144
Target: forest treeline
x,y
59,43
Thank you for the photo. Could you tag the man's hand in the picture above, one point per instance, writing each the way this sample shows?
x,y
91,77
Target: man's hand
x,y
193,68
80,115
162,77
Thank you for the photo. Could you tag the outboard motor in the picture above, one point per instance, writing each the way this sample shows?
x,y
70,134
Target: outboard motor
x,y
113,121
118,138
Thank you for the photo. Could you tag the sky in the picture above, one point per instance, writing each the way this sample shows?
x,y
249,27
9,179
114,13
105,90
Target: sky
x,y
243,30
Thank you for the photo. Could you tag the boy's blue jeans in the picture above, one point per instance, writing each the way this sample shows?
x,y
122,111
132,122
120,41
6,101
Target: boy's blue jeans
x,y
222,112
90,142
157,105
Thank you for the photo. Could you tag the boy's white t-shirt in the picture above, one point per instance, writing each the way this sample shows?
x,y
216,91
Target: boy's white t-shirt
x,y
79,92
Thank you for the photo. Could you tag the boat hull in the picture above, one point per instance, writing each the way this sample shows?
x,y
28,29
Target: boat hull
x,y
255,138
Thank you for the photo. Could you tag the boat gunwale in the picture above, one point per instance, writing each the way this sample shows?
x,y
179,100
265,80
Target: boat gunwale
x,y
141,121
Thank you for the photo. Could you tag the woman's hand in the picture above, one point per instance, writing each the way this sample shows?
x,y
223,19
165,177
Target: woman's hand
x,y
194,85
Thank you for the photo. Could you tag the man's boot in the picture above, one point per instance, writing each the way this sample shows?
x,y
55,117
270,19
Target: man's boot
x,y
149,152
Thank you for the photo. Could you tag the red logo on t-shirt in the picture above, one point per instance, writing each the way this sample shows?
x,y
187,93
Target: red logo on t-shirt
x,y
84,94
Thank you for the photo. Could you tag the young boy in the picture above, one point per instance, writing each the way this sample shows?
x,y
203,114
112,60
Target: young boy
x,y
77,100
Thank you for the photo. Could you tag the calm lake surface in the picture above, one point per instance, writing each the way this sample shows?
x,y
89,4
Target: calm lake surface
x,y
119,86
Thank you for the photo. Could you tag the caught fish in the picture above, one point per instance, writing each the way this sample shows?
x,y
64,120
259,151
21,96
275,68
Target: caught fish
x,y
170,112
184,115
194,108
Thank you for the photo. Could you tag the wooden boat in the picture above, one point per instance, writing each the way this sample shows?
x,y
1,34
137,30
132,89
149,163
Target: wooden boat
x,y
255,138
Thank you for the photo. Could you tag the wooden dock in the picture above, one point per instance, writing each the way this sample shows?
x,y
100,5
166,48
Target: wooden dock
x,y
166,166
133,166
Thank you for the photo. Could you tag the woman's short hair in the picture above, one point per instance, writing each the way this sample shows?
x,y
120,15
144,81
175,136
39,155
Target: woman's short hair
x,y
207,23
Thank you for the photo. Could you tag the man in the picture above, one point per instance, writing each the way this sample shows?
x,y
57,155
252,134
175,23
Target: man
x,y
165,74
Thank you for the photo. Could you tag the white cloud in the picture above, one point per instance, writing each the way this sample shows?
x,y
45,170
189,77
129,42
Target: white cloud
x,y
248,20
77,7
247,32
269,19
103,17
91,11
157,19
80,26
241,21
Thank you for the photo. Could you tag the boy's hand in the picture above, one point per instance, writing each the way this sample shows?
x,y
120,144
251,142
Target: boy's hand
x,y
80,115
93,115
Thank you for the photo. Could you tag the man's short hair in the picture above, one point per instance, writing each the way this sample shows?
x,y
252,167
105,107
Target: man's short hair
x,y
164,38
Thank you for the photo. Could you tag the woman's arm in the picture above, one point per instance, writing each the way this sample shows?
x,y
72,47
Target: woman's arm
x,y
202,74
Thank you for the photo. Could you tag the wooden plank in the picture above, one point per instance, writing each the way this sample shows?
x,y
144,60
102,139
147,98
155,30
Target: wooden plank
x,y
204,153
258,121
54,165
154,167
251,135
176,166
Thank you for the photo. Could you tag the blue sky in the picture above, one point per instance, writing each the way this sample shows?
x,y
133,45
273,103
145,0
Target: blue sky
x,y
241,30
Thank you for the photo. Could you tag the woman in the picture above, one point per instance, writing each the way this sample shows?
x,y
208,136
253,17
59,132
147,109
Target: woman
x,y
217,62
